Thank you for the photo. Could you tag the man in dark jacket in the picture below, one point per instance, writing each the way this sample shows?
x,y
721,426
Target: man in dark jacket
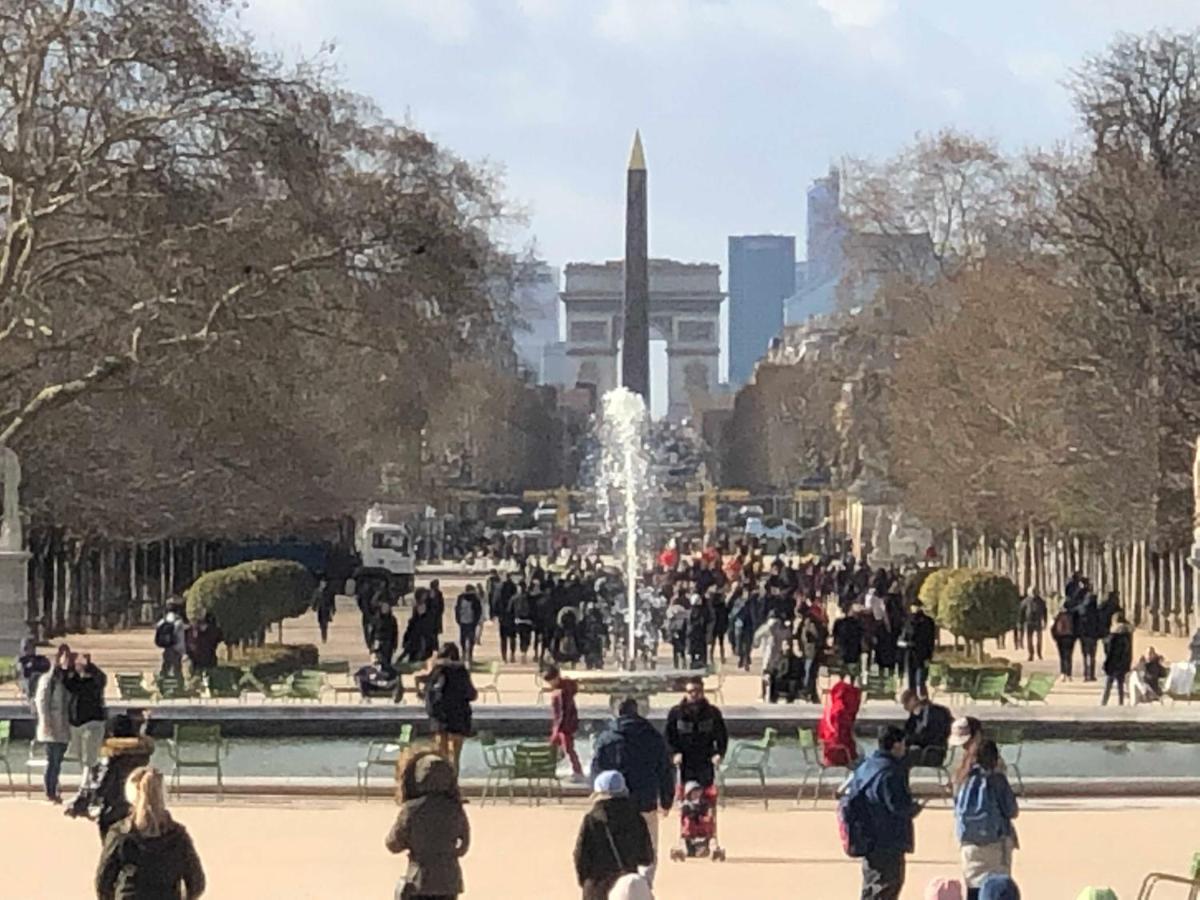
x,y
384,633
699,621
613,838
884,778
634,748
468,613
927,731
1032,619
449,694
1091,632
696,735
848,634
31,666
919,640
1118,659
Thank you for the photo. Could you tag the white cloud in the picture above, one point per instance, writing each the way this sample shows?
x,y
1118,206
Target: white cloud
x,y
858,13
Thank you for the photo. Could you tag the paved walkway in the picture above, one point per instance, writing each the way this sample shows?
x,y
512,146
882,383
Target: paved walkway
x,y
314,851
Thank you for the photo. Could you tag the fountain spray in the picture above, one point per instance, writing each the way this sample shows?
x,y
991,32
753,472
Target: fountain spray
x,y
624,483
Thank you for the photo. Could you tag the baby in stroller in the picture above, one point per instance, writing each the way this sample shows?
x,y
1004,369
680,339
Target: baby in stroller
x,y
698,823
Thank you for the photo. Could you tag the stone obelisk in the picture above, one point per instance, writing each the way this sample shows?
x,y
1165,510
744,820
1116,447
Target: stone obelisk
x,y
635,355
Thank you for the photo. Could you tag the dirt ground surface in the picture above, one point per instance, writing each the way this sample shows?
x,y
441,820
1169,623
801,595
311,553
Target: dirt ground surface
x,y
134,650
315,851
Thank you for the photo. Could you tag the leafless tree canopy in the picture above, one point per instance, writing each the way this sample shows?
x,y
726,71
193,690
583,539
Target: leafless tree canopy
x,y
229,291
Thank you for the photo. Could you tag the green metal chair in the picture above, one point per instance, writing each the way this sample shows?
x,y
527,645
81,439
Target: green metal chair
x,y
536,765
1035,689
936,676
334,666
382,755
307,684
492,686
1011,742
196,747
5,741
132,686
224,683
498,758
814,761
990,688
959,682
170,687
749,758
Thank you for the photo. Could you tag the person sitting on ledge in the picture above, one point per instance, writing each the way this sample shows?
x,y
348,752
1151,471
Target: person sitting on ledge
x,y
379,679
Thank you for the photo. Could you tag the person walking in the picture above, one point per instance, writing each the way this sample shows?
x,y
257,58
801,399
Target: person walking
x,y
1063,632
102,795
449,694
170,636
51,702
1118,659
811,638
883,779
148,855
1032,619
613,839
697,737
848,637
326,607
564,716
85,683
431,826
984,809
720,626
918,640
633,747
468,613
1091,631
771,638
699,622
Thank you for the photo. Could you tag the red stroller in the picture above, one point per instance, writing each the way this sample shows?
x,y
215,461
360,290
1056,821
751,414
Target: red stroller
x,y
697,822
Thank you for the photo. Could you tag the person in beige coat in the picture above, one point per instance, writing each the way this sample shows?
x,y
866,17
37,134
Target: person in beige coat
x,y
53,722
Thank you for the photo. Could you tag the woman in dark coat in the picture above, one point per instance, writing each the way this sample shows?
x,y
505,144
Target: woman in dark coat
x,y
1118,659
613,838
720,625
102,794
449,694
1091,632
432,826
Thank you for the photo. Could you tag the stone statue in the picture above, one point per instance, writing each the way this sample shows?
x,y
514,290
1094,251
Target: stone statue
x,y
10,521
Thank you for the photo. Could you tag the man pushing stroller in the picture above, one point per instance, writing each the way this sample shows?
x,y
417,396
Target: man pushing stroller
x,y
697,737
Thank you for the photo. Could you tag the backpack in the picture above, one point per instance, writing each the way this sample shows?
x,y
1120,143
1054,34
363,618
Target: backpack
x,y
164,634
1064,625
854,820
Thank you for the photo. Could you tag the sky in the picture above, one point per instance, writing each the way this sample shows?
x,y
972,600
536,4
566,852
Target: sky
x,y
741,103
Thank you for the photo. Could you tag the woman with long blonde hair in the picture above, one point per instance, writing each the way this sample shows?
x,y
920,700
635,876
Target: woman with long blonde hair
x,y
148,856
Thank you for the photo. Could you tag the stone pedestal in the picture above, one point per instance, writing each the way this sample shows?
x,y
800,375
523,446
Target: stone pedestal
x,y
14,600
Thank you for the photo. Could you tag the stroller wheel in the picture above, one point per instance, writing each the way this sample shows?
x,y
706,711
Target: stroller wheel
x,y
718,855
677,855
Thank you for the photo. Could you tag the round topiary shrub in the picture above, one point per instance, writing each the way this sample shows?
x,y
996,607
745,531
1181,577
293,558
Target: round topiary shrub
x,y
248,597
930,591
976,605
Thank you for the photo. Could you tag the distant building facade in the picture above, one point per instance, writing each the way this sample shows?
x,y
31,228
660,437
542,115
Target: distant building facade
x,y
762,275
685,312
535,297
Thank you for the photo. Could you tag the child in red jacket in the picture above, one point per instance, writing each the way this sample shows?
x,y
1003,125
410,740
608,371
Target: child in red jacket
x,y
564,715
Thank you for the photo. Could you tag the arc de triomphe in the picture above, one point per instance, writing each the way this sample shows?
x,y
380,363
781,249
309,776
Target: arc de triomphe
x,y
685,311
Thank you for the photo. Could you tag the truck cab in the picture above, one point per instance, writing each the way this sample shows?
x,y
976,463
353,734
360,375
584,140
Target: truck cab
x,y
387,548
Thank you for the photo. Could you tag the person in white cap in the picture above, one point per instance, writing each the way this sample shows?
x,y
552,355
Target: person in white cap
x,y
613,842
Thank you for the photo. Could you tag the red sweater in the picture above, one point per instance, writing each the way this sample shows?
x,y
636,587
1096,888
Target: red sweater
x,y
565,715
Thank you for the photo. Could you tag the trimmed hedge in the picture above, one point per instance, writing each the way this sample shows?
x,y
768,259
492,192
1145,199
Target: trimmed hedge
x,y
275,661
976,605
932,589
249,597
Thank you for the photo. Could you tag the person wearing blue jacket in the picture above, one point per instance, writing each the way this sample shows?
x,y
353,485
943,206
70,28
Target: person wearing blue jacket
x,y
633,747
883,777
984,809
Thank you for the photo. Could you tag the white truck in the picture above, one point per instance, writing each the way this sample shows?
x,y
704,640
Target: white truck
x,y
386,551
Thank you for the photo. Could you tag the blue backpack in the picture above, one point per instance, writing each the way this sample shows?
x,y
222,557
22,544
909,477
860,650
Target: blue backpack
x,y
854,819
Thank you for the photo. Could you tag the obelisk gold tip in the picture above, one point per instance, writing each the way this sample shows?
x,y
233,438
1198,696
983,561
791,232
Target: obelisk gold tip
x,y
637,159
